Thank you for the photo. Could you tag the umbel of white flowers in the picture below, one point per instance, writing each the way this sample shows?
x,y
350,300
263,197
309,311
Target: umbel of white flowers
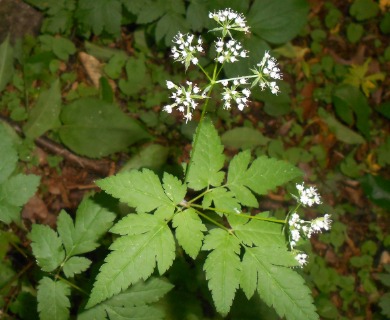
x,y
298,228
186,49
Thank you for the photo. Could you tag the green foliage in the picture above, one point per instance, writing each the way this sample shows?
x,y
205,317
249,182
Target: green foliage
x,y
132,303
207,159
277,22
96,128
6,63
54,250
99,15
341,132
364,9
61,47
145,237
243,138
44,115
349,102
377,189
53,301
15,189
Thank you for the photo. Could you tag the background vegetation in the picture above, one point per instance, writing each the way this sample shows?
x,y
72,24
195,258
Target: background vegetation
x,y
83,99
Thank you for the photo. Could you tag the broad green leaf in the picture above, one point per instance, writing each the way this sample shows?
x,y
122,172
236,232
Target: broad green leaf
x,y
44,115
100,15
189,231
347,98
134,257
132,303
139,189
174,188
152,156
8,212
377,189
263,175
8,155
224,201
47,247
279,287
53,301
134,224
207,158
18,189
6,63
243,138
92,222
341,132
222,267
95,128
277,21
75,265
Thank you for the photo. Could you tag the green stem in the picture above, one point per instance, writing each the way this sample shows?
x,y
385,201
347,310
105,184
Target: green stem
x,y
240,215
212,220
71,284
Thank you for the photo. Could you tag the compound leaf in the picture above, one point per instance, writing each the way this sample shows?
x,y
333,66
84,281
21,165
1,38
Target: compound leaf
x,y
263,175
75,265
53,301
189,231
134,257
207,158
222,267
44,115
47,247
279,287
132,303
139,189
92,222
100,15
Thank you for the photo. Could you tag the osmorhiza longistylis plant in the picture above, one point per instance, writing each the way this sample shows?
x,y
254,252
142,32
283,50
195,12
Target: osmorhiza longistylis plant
x,y
248,251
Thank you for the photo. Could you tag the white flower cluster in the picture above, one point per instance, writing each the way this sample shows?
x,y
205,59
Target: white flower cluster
x,y
308,196
184,98
229,20
267,71
185,51
240,97
229,51
298,228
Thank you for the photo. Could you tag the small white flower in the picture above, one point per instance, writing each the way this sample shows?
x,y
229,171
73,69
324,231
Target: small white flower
x,y
301,258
